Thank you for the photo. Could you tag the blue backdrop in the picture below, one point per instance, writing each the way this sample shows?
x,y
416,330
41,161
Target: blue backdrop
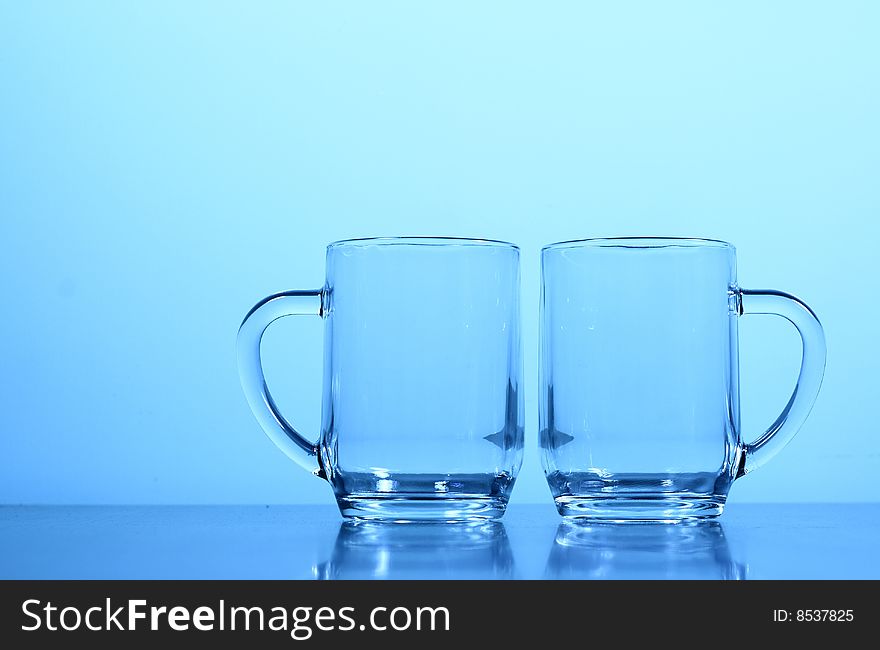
x,y
164,165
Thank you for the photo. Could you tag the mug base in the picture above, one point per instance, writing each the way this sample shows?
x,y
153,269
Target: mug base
x,y
645,509
401,509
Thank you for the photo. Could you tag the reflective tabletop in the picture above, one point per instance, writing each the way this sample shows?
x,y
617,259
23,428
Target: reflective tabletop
x,y
749,541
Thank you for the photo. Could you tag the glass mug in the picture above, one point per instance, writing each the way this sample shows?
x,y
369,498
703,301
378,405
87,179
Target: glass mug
x,y
422,409
640,377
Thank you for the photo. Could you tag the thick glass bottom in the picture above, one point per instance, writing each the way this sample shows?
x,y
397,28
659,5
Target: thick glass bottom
x,y
460,508
422,497
639,497
646,510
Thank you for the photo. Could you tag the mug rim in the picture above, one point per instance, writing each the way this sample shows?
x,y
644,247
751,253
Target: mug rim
x,y
640,243
421,240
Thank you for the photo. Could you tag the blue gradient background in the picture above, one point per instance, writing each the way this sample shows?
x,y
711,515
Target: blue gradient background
x,y
164,165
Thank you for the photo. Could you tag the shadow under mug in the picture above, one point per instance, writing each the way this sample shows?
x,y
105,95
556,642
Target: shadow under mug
x,y
640,416
422,410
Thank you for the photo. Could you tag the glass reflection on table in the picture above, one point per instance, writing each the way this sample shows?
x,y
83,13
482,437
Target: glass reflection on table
x,y
369,551
614,551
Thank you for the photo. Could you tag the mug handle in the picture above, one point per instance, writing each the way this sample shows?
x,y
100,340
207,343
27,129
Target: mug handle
x,y
250,370
780,433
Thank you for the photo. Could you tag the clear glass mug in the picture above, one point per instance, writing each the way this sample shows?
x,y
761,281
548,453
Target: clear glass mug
x,y
639,413
422,409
